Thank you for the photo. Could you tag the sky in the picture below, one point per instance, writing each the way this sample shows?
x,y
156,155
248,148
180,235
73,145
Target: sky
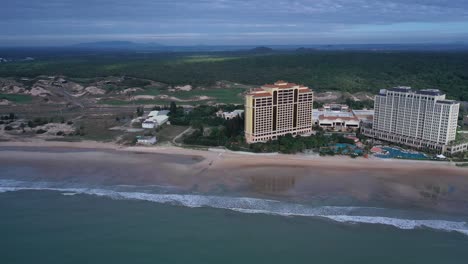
x,y
232,22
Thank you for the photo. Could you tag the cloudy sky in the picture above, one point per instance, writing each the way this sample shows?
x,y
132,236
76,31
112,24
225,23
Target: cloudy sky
x,y
252,22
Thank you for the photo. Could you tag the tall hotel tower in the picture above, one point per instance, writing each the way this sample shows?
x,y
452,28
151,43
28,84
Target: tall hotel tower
x,y
278,109
416,118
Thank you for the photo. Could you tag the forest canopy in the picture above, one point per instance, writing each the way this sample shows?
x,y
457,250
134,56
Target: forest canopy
x,y
341,71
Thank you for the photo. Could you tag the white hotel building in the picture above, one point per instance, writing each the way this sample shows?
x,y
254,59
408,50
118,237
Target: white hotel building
x,y
421,119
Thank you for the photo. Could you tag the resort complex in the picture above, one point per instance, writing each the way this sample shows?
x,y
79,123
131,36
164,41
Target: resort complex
x,y
278,109
339,117
419,119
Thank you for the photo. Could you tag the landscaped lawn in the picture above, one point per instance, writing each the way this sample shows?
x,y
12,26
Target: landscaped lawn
x,y
17,98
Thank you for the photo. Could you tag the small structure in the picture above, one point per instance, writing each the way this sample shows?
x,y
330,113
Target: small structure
x,y
377,150
229,115
148,124
353,138
155,119
365,116
146,140
456,147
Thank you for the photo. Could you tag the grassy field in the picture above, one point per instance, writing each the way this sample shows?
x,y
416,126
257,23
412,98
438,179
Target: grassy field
x,y
168,132
117,102
97,128
228,96
218,95
17,98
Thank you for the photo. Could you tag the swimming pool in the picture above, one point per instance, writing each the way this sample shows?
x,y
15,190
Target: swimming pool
x,y
346,149
401,154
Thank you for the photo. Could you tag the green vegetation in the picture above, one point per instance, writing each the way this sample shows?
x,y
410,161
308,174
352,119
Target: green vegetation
x,y
343,71
368,104
213,131
193,97
168,132
117,102
17,98
203,115
227,96
206,58
291,145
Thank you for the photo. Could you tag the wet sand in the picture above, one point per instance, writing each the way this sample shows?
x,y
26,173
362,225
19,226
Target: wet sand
x,y
422,184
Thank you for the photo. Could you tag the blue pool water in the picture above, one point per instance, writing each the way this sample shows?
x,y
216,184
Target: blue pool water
x,y
347,148
402,154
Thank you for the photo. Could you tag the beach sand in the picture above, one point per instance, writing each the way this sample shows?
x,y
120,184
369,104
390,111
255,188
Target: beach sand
x,y
439,186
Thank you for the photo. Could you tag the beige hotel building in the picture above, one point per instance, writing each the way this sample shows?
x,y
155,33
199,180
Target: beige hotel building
x,y
421,119
278,109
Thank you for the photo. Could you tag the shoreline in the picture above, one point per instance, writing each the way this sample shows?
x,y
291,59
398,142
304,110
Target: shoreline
x,y
213,152
439,186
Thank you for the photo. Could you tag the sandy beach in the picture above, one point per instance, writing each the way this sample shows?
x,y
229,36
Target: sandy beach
x,y
439,186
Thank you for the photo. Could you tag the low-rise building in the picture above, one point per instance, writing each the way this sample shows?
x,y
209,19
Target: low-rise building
x,y
339,117
338,121
155,119
456,148
151,140
148,124
229,115
364,115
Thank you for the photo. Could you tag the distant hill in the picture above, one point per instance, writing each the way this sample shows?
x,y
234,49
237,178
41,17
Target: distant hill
x,y
261,50
117,45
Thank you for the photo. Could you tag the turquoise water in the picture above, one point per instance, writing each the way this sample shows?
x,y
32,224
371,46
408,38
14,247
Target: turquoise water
x,y
347,148
43,226
398,153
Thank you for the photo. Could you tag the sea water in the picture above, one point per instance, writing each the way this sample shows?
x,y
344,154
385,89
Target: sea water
x,y
44,222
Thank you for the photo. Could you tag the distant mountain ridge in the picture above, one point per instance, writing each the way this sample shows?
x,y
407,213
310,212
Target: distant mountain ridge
x,y
118,45
259,49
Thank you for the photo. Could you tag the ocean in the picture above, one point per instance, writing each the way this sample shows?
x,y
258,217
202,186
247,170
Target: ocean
x,y
54,222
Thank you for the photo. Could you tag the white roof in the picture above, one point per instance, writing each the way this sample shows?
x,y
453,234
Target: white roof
x,y
363,112
161,119
153,113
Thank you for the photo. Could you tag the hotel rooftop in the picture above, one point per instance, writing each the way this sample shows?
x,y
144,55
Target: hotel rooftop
x,y
266,90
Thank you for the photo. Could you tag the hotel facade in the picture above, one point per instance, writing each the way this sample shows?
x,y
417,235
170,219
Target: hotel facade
x,y
420,119
278,109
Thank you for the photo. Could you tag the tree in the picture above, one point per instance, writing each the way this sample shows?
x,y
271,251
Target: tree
x,y
140,111
173,108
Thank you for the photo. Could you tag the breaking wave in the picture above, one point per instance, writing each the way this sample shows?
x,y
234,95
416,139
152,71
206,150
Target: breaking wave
x,y
342,214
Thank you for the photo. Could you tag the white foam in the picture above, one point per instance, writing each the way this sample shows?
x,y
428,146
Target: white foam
x,y
403,223
249,205
69,193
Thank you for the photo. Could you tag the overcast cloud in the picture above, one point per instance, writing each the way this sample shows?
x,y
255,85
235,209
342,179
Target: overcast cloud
x,y
186,22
